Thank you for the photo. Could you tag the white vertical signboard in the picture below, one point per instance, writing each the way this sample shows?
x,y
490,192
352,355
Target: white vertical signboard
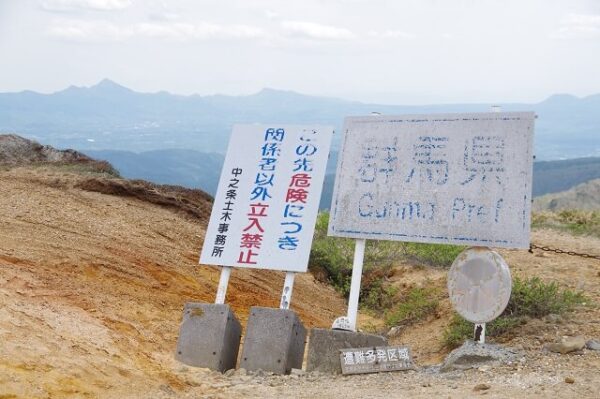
x,y
446,178
268,197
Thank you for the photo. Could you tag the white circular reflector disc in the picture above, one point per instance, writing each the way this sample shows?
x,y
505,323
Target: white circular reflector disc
x,y
479,284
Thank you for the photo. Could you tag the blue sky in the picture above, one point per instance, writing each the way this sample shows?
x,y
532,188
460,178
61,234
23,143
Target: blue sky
x,y
404,51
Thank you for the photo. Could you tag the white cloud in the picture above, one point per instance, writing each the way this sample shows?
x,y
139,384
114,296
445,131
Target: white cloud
x,y
392,34
81,31
311,30
270,14
578,26
103,31
96,5
163,16
201,31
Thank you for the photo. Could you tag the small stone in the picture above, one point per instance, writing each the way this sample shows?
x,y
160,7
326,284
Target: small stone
x,y
259,373
554,318
167,389
394,331
484,369
569,380
567,345
229,373
474,355
481,387
241,371
592,344
297,372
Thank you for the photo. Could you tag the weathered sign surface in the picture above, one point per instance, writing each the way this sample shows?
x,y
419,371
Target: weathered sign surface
x,y
447,178
268,197
375,360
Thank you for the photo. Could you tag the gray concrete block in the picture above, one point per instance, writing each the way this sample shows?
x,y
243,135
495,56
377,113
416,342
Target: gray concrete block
x,y
324,347
274,341
209,336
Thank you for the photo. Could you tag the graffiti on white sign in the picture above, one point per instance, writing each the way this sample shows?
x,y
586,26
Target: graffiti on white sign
x,y
268,196
449,178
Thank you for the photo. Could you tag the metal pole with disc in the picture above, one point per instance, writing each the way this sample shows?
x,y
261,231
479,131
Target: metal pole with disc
x,y
479,334
479,328
479,286
223,283
288,287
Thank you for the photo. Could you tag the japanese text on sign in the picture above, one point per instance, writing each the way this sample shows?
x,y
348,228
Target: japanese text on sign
x,y
456,178
375,359
268,196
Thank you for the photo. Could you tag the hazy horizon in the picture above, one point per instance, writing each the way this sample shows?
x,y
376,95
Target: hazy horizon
x,y
112,81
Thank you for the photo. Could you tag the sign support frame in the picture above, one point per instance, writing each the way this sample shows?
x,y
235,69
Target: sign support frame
x,y
288,288
479,328
357,268
223,283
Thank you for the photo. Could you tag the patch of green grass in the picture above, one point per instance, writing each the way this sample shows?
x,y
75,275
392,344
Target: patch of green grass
x,y
578,222
417,305
535,298
530,298
460,329
332,257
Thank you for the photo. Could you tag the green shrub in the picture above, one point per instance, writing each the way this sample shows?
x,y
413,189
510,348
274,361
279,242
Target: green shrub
x,y
333,257
460,329
416,306
534,298
530,298
432,254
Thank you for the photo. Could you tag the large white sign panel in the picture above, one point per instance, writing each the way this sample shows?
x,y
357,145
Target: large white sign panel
x,y
268,197
446,178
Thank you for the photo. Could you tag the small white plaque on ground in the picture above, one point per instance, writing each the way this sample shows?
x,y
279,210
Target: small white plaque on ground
x,y
447,178
268,197
479,285
376,359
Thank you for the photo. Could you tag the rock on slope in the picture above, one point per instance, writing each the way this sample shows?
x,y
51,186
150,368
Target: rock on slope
x,y
94,272
584,196
16,150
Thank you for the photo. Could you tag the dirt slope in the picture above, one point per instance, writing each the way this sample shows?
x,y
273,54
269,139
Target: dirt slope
x,y
92,288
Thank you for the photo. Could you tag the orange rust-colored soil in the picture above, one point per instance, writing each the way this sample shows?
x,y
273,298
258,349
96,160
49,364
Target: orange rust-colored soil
x,y
92,288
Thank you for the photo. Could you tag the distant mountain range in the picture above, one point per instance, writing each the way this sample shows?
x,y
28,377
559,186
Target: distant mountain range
x,y
109,116
173,139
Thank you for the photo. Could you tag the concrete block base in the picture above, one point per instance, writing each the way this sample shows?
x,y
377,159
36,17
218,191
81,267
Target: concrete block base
x,y
209,336
324,347
275,340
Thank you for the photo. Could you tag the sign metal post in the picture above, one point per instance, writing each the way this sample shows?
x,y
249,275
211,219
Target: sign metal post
x,y
288,287
357,268
479,328
223,282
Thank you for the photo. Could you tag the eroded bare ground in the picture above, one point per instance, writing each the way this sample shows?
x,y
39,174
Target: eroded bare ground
x,y
92,287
